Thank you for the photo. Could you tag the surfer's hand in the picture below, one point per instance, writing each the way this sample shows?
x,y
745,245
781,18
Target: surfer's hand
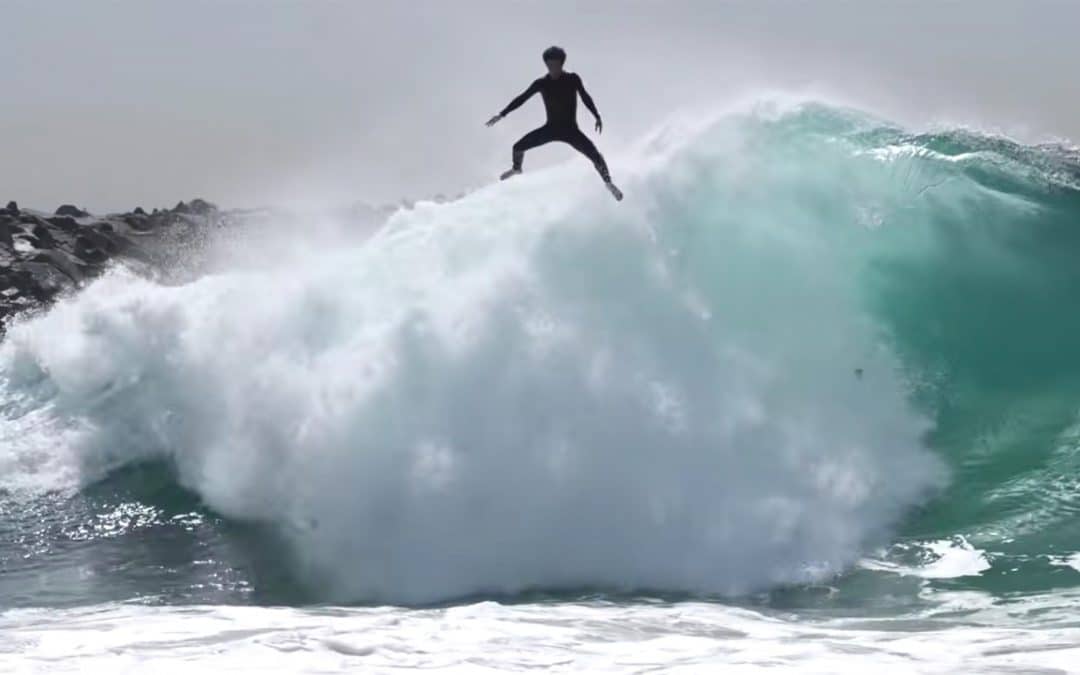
x,y
599,125
494,120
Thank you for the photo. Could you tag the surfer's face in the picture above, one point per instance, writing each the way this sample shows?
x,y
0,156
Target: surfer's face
x,y
554,66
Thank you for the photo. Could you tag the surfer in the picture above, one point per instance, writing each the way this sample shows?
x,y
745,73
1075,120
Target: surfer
x,y
559,89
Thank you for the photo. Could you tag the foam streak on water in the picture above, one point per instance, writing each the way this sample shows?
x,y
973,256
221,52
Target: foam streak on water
x,y
488,637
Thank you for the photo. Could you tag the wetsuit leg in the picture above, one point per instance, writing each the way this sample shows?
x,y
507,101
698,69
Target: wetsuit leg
x,y
582,144
534,138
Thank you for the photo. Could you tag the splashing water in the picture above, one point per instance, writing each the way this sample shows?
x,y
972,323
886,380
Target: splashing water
x,y
529,388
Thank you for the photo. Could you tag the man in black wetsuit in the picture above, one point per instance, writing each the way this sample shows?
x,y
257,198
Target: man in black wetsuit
x,y
560,90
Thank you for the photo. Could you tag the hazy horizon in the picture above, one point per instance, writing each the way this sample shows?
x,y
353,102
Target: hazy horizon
x,y
112,105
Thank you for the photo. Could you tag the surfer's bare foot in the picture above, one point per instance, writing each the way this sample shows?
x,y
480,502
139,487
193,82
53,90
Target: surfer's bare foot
x,y
615,192
509,174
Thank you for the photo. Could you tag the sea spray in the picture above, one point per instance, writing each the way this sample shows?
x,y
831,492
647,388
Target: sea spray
x,y
531,387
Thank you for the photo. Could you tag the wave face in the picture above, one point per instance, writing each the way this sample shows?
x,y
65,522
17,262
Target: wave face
x,y
801,324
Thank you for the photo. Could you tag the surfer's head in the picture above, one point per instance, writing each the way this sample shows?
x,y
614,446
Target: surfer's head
x,y
554,58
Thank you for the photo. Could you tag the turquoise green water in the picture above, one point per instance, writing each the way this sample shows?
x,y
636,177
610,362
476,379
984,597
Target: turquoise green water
x,y
968,265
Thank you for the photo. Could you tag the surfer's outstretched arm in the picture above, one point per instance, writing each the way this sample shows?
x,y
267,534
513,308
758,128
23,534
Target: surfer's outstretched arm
x,y
587,100
516,103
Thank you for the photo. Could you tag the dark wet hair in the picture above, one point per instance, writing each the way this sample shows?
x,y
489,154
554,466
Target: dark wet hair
x,y
555,54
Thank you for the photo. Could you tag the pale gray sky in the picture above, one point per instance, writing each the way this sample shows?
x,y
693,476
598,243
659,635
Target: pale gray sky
x,y
113,104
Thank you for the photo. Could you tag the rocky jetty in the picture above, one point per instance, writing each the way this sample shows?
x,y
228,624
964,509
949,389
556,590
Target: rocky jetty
x,y
46,255
43,255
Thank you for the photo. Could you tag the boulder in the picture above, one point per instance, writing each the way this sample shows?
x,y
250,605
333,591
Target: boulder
x,y
86,250
62,263
201,207
138,222
73,211
99,239
64,223
45,281
44,237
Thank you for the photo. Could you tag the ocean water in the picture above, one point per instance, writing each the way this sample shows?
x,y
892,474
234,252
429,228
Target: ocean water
x,y
806,400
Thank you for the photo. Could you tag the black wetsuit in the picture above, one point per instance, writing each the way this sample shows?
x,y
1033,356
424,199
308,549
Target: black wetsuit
x,y
560,100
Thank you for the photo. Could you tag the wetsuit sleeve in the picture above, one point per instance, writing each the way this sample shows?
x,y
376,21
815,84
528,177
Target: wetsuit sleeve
x,y
524,96
585,98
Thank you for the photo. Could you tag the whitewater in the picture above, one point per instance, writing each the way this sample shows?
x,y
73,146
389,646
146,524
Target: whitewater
x,y
805,399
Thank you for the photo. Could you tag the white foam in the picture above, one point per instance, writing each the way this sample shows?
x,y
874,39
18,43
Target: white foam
x,y
565,637
943,559
1072,561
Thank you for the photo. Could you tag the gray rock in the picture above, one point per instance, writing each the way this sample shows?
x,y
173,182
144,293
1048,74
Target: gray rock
x,y
44,237
73,211
201,207
64,223
64,264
